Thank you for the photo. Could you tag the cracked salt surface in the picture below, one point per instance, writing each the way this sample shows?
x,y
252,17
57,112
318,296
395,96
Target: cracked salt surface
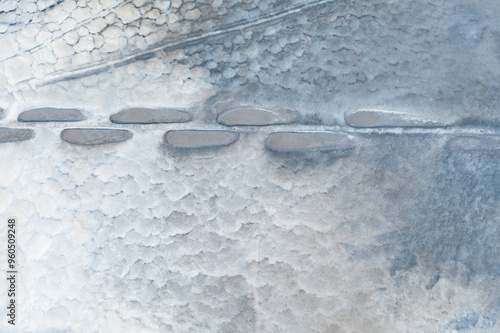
x,y
385,229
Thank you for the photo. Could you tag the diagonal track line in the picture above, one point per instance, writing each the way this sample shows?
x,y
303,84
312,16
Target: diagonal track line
x,y
168,45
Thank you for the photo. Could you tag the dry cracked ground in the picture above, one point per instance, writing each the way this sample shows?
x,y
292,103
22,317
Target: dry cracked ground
x,y
251,166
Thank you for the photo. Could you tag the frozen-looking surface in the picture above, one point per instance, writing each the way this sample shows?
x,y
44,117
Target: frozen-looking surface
x,y
383,217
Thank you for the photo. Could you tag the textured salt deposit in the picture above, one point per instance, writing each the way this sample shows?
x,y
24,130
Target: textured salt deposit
x,y
398,235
